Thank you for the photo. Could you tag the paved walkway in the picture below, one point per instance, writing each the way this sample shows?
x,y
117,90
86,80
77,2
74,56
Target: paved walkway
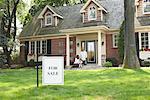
x,y
86,67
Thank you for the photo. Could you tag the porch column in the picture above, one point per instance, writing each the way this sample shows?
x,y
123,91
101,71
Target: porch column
x,y
67,50
29,47
99,48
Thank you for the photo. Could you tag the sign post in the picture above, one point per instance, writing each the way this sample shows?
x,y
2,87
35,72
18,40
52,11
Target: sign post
x,y
37,69
53,70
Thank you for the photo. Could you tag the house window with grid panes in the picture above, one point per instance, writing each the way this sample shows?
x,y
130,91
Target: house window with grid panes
x,y
92,13
144,40
38,45
32,47
115,40
146,7
48,19
146,0
44,47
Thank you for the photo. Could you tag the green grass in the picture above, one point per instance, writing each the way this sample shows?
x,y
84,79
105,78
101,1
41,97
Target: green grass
x,y
104,84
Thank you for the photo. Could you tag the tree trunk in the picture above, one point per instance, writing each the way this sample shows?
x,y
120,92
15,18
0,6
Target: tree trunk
x,y
130,55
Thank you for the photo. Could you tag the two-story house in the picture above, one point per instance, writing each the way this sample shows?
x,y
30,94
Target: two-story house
x,y
92,26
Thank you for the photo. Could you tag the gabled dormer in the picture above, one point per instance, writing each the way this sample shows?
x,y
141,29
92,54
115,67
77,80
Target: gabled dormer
x,y
92,11
49,17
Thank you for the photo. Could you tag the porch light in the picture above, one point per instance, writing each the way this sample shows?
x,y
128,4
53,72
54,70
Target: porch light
x,y
78,44
102,43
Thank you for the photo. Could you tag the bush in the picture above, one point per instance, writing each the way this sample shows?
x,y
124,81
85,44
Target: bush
x,y
113,61
3,60
107,64
145,63
31,63
15,58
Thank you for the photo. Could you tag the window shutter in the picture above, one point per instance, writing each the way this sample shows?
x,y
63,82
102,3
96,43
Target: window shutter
x,y
48,46
137,43
26,49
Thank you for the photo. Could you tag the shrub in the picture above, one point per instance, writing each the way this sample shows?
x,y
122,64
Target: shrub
x,y
145,63
107,64
113,61
121,42
15,58
3,60
31,63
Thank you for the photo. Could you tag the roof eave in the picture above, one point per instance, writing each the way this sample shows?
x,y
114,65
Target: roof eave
x,y
43,11
87,3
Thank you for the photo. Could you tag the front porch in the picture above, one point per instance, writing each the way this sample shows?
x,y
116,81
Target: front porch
x,y
93,42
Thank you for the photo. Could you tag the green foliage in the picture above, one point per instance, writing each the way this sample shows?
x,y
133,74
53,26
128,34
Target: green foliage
x,y
107,64
27,19
22,11
15,58
145,63
3,60
113,61
31,63
121,42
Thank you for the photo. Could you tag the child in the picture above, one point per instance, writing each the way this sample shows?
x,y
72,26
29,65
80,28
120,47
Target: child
x,y
77,61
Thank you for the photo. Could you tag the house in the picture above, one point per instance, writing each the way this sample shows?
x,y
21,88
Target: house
x,y
93,26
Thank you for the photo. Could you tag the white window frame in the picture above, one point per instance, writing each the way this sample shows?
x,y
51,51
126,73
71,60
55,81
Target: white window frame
x,y
140,40
45,46
48,15
33,48
114,40
89,13
144,5
32,51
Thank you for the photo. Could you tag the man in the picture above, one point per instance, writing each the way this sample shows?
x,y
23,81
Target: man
x,y
83,56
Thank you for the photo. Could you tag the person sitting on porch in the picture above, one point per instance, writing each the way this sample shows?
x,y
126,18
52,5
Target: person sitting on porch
x,y
77,62
83,56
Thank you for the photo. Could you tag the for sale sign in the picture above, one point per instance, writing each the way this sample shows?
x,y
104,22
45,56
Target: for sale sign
x,y
53,70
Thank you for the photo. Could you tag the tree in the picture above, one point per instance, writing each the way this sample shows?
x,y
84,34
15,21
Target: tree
x,y
130,54
8,25
121,42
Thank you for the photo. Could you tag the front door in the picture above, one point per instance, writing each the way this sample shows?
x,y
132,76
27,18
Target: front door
x,y
89,46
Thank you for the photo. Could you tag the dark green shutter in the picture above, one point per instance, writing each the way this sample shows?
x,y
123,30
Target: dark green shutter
x,y
48,46
26,49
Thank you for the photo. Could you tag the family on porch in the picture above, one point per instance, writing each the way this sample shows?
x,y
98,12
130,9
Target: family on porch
x,y
81,59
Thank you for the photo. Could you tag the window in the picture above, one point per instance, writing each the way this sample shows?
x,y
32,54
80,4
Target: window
x,y
115,40
144,41
48,19
146,7
32,47
92,13
44,47
38,44
146,0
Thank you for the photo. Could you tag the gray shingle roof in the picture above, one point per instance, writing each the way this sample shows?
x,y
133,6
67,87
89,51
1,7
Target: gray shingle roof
x,y
144,20
115,10
73,19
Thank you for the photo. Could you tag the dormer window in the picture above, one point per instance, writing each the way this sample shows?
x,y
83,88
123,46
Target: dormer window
x,y
48,19
92,13
146,7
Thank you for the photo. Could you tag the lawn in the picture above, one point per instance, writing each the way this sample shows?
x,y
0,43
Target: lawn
x,y
103,84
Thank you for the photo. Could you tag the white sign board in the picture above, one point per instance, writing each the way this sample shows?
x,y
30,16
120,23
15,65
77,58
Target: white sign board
x,y
53,70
